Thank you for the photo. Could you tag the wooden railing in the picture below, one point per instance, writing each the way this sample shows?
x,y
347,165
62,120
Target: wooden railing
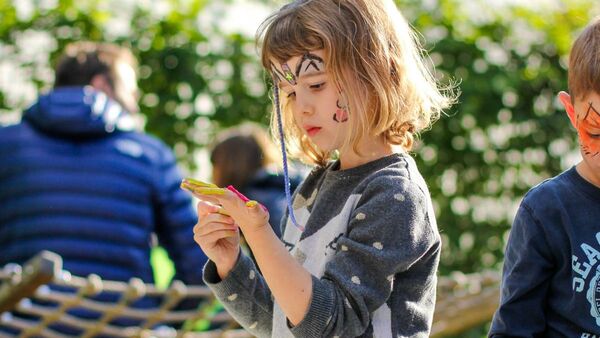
x,y
43,294
464,302
42,281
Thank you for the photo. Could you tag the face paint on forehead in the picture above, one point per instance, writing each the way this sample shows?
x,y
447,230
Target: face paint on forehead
x,y
287,73
309,61
592,115
278,76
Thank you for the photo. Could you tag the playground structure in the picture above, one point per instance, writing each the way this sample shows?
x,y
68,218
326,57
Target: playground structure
x,y
44,293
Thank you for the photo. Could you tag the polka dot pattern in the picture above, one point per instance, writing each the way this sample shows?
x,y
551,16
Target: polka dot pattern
x,y
355,280
232,297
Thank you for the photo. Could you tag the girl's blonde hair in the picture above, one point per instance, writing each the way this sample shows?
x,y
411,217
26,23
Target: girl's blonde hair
x,y
371,54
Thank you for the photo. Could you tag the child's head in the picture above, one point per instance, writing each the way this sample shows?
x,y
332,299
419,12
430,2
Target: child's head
x,y
583,103
239,152
365,55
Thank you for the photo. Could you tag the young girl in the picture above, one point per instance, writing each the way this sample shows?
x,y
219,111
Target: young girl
x,y
360,247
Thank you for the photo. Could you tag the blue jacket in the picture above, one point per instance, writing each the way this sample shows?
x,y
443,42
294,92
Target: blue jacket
x,y
75,181
551,275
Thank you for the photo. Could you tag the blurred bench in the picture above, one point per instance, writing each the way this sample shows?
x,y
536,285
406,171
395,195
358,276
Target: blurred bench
x,y
464,301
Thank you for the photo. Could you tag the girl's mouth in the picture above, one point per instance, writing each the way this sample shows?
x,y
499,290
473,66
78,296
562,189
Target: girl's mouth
x,y
312,131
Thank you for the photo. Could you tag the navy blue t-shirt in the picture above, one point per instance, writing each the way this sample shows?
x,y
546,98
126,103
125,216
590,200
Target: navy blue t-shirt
x,y
551,275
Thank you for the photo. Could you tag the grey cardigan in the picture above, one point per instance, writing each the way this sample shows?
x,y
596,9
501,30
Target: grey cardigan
x,y
372,246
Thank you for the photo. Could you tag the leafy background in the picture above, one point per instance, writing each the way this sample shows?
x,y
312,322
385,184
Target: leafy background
x,y
198,75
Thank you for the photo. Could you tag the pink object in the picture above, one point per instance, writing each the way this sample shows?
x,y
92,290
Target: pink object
x,y
242,197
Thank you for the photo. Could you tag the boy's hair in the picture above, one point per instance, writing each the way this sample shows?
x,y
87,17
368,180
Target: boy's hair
x,y
239,152
81,61
371,54
584,62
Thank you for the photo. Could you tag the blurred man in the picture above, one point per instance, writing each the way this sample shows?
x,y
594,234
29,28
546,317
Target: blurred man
x,y
76,179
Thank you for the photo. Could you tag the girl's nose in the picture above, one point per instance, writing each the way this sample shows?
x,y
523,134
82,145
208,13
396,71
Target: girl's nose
x,y
305,105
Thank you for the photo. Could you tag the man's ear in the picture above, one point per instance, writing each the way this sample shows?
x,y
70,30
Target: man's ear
x,y
565,99
100,83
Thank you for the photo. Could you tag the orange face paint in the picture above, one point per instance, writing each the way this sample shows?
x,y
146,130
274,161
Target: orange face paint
x,y
589,132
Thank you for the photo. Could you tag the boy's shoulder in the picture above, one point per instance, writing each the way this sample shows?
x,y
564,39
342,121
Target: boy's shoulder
x,y
552,190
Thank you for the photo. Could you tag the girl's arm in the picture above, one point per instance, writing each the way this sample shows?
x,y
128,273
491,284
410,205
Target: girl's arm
x,y
289,282
244,294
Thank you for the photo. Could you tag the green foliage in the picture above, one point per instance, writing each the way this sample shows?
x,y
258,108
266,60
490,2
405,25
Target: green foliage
x,y
506,134
194,79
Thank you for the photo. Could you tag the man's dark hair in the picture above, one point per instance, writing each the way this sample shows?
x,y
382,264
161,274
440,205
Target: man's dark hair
x,y
81,61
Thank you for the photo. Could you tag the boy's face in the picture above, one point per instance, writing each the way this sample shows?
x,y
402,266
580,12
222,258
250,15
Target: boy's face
x,y
316,102
585,117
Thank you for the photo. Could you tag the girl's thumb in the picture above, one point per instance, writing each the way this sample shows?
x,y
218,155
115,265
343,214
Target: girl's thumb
x,y
257,208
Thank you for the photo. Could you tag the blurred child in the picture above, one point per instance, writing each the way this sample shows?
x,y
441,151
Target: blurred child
x,y
245,157
360,246
551,276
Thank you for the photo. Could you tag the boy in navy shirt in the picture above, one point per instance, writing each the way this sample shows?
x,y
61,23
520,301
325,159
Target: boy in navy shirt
x,y
551,276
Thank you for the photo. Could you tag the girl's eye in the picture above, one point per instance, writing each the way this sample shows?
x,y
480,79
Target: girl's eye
x,y
292,94
318,86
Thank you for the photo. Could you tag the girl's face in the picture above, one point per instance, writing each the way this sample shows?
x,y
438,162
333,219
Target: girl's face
x,y
316,102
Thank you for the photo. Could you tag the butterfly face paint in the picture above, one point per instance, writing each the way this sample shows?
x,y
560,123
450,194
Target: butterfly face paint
x,y
341,113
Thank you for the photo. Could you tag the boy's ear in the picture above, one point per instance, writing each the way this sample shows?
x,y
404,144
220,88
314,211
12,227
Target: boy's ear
x,y
565,99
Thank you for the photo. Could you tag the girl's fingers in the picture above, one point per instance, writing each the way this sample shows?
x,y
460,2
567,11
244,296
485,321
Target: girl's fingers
x,y
206,198
211,228
214,236
214,222
207,207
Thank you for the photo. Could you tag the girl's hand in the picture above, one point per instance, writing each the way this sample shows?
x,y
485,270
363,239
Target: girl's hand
x,y
250,216
218,236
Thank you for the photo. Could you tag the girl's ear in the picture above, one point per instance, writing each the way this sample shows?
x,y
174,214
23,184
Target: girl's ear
x,y
565,99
